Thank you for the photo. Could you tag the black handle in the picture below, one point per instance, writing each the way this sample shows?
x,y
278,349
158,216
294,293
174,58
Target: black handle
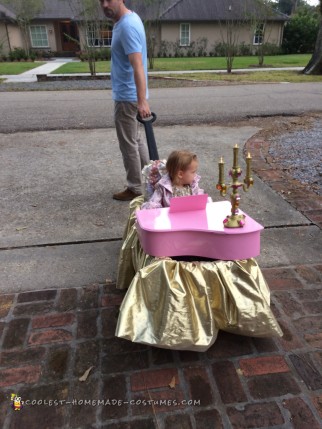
x,y
152,146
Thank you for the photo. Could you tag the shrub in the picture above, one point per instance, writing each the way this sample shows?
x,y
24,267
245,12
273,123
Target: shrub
x,y
220,49
164,49
17,54
301,32
32,56
244,50
269,49
105,54
201,46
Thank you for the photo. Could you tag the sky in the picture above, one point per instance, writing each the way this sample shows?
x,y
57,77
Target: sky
x,y
313,2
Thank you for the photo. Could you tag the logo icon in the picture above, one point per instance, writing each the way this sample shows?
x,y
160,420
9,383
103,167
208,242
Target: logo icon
x,y
16,402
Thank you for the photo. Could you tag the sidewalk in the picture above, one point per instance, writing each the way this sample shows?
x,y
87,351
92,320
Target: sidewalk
x,y
31,75
49,67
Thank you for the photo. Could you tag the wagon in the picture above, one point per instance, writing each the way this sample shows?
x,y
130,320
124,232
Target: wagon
x,y
181,301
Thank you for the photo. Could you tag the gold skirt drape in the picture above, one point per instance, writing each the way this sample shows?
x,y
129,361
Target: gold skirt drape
x,y
183,305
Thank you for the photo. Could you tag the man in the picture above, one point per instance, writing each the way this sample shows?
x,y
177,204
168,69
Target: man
x,y
130,92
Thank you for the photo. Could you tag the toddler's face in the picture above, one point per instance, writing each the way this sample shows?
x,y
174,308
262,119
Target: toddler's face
x,y
189,175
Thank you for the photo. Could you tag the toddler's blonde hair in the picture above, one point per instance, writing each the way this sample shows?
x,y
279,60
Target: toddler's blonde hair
x,y
179,160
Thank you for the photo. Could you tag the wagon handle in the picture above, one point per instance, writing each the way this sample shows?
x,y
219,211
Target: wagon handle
x,y
152,146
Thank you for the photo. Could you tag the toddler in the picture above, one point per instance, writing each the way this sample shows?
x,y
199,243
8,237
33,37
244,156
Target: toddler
x,y
181,180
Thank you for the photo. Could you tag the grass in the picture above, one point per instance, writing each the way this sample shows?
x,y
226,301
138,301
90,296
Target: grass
x,y
17,67
203,63
256,76
219,63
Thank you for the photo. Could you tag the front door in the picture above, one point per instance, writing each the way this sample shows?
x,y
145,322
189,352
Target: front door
x,y
69,36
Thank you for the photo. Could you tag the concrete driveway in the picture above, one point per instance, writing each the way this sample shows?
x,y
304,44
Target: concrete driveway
x,y
61,227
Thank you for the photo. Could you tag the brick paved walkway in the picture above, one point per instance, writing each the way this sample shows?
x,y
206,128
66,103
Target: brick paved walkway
x,y
49,338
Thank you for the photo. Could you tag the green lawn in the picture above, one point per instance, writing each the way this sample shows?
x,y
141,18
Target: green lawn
x,y
17,67
218,63
256,76
204,63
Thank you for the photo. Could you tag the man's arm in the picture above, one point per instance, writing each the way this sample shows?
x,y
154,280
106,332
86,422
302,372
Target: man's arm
x,y
140,82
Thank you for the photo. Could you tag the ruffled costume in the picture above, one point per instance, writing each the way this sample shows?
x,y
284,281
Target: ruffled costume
x,y
182,305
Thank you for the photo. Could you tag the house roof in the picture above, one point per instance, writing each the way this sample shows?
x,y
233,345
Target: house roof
x,y
55,9
6,13
64,9
165,10
205,10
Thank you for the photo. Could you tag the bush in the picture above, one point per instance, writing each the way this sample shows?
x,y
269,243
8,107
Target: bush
x,y
47,54
36,54
300,33
176,49
220,49
244,50
40,54
17,54
95,54
32,56
105,54
165,48
201,46
269,49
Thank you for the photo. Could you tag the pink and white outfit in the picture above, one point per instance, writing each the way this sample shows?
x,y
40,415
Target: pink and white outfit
x,y
164,191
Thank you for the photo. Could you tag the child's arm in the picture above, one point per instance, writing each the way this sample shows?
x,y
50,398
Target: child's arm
x,y
195,186
155,202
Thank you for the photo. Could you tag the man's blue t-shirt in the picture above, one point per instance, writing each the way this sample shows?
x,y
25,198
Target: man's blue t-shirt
x,y
128,38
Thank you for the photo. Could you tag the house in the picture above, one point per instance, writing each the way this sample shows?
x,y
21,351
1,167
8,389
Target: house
x,y
182,23
173,26
59,27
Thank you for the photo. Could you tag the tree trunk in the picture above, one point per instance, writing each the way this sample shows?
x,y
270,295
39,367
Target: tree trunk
x,y
315,64
294,6
8,38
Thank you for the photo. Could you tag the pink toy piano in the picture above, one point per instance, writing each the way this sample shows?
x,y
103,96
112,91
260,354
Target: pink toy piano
x,y
195,228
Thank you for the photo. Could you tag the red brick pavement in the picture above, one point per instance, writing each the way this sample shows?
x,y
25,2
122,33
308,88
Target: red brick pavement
x,y
49,338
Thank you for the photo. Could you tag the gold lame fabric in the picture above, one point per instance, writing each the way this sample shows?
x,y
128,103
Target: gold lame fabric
x,y
132,256
182,305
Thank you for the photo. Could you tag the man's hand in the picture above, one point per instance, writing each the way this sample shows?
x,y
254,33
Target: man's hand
x,y
144,109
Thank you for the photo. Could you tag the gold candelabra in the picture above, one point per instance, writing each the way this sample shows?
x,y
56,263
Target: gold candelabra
x,y
235,220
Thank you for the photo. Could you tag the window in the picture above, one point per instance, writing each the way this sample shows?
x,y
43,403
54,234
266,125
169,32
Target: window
x,y
258,34
184,34
39,36
98,34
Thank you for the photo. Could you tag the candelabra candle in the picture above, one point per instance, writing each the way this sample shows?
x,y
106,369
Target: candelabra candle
x,y
235,165
248,168
221,170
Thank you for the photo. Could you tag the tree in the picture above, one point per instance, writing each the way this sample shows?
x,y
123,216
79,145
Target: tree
x,y
301,31
259,18
315,64
90,27
152,11
289,7
25,11
5,41
230,31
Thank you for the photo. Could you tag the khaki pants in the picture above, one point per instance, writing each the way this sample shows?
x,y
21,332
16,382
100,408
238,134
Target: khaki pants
x,y
134,149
